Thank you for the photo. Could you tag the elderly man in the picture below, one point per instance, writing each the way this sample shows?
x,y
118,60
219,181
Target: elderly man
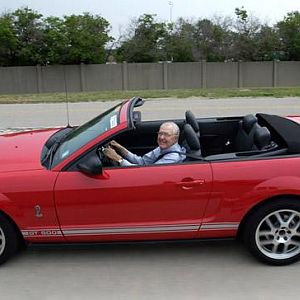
x,y
168,150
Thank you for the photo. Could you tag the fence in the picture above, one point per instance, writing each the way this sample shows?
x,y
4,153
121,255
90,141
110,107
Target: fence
x,y
144,76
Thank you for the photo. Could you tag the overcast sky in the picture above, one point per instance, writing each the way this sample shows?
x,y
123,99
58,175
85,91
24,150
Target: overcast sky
x,y
119,12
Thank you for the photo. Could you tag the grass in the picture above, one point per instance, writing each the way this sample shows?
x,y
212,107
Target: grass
x,y
180,93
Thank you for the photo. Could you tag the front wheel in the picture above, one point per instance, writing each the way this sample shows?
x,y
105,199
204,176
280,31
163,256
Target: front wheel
x,y
8,240
272,233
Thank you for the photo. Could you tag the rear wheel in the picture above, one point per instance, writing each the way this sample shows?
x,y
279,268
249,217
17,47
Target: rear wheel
x,y
8,239
272,233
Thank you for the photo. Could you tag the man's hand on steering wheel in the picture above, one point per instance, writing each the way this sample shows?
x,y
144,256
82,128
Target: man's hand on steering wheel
x,y
112,154
119,148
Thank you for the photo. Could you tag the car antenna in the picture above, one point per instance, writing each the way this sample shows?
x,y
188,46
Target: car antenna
x,y
67,100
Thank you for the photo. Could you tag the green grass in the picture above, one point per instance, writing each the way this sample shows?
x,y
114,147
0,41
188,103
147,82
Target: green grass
x,y
180,93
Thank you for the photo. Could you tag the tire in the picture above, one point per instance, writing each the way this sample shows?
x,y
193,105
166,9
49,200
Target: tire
x,y
9,241
272,232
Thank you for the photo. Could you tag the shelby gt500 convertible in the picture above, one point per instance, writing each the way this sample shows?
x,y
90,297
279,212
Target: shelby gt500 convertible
x,y
240,178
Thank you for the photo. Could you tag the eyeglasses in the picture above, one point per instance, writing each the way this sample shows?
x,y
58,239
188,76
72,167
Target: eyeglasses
x,y
166,134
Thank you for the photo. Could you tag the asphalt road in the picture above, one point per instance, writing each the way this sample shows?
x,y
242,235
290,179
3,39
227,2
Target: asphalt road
x,y
35,115
201,270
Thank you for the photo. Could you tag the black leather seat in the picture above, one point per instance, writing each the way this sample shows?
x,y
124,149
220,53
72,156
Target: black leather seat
x,y
191,143
191,119
262,139
244,140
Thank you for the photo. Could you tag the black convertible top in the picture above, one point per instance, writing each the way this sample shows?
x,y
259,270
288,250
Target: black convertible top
x,y
288,130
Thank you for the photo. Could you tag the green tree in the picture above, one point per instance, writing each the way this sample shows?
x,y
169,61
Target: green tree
x,y
289,32
86,36
28,39
246,30
179,41
209,41
145,41
203,39
8,40
268,46
55,41
28,27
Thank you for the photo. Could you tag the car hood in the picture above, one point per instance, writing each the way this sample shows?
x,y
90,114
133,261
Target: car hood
x,y
294,118
21,151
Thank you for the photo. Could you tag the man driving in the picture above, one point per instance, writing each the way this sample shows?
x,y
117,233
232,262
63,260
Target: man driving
x,y
168,150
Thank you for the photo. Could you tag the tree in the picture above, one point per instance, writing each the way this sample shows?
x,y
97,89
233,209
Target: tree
x,y
87,36
29,32
8,40
197,40
246,29
289,32
209,41
28,39
268,46
55,41
179,41
145,41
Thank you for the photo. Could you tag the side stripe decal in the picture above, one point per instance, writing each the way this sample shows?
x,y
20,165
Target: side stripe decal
x,y
48,232
132,230
219,226
41,232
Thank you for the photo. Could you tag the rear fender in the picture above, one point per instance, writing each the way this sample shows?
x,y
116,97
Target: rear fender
x,y
277,186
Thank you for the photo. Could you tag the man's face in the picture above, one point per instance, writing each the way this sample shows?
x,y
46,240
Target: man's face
x,y
166,137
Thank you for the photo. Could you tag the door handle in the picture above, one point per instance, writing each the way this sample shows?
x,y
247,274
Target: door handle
x,y
189,183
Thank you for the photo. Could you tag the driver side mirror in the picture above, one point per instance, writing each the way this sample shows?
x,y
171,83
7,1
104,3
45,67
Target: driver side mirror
x,y
91,166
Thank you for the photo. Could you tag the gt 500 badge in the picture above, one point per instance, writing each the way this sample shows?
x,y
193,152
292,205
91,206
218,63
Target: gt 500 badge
x,y
49,232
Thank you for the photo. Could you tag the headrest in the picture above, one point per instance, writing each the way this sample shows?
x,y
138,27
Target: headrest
x,y
262,137
136,116
248,122
191,138
191,119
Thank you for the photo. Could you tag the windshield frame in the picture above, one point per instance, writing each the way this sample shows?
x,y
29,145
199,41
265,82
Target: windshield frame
x,y
85,134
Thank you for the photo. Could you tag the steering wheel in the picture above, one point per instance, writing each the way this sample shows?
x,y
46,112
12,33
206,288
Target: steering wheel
x,y
104,159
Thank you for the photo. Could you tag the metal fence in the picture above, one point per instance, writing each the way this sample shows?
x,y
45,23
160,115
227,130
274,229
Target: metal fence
x,y
148,76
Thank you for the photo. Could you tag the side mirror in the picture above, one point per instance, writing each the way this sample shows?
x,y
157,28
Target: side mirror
x,y
91,166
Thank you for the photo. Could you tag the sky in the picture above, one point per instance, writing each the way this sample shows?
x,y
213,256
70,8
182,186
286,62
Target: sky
x,y
120,12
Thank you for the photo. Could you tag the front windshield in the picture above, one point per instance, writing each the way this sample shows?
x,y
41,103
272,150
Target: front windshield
x,y
86,133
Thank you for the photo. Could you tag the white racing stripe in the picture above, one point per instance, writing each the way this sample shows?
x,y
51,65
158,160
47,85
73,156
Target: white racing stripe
x,y
219,226
130,230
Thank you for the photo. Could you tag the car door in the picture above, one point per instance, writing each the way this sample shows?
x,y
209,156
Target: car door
x,y
133,203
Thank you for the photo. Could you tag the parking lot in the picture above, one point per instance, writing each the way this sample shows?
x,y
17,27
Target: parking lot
x,y
185,270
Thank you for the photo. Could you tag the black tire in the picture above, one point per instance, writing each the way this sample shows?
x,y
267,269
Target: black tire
x,y
272,232
9,240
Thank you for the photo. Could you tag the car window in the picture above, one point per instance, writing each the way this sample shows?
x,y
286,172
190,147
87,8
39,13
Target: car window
x,y
86,133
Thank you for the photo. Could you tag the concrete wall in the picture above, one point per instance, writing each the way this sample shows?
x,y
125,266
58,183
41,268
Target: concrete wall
x,y
224,75
101,77
144,76
288,74
257,74
18,80
184,75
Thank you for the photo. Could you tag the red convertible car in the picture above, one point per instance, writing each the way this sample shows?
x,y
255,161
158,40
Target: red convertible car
x,y
241,178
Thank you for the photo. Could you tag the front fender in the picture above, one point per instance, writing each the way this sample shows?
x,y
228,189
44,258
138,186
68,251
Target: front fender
x,y
8,207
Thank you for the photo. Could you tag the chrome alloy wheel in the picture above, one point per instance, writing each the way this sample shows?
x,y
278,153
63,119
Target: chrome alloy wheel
x,y
278,235
2,241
